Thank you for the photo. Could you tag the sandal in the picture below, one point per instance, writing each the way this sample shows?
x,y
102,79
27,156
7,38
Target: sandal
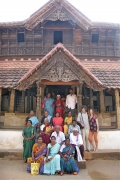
x,y
62,173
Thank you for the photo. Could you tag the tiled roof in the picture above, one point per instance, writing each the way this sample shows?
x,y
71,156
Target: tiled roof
x,y
37,17
58,47
106,71
12,71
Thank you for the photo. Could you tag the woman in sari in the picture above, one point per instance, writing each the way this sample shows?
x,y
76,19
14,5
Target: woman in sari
x,y
38,153
46,133
52,160
49,105
58,121
29,140
67,122
67,161
59,106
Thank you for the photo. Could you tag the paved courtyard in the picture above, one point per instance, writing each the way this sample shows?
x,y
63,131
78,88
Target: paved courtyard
x,y
96,170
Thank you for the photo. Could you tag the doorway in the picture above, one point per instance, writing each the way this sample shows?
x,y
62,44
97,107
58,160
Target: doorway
x,y
62,90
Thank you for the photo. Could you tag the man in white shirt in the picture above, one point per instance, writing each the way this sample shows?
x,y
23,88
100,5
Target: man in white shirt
x,y
60,137
76,139
71,101
83,120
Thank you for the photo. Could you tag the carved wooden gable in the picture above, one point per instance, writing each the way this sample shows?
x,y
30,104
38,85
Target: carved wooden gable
x,y
58,15
59,68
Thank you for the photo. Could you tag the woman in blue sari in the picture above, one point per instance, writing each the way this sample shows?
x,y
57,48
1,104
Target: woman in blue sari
x,y
48,106
68,164
52,160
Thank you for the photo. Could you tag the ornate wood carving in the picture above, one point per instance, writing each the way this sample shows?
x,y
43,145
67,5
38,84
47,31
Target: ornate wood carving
x,y
60,72
58,15
60,68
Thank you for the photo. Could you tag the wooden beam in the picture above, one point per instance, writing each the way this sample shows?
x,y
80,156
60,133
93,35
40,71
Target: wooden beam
x,y
91,98
23,102
39,101
45,82
28,101
0,98
102,102
117,101
12,101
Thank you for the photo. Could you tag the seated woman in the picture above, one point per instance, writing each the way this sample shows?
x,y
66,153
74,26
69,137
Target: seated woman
x,y
76,140
58,121
38,153
52,160
68,121
67,161
46,133
46,116
28,134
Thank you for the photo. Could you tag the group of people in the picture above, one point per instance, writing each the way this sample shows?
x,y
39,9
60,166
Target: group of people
x,y
62,141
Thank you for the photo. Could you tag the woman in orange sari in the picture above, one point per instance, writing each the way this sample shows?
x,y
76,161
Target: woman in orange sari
x,y
46,133
38,153
58,121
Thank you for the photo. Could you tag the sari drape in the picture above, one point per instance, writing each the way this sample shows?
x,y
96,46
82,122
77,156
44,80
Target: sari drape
x,y
58,121
27,145
47,130
49,106
59,107
54,164
69,166
39,154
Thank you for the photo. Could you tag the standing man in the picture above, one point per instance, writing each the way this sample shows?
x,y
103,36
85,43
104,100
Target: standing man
x,y
71,101
83,121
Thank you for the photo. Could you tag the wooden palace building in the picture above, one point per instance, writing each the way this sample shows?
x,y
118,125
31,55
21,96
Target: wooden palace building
x,y
56,48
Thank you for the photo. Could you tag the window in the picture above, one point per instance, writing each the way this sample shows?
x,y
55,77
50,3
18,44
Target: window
x,y
20,37
95,38
58,37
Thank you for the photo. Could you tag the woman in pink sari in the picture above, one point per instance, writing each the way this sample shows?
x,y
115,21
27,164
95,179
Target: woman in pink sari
x,y
58,121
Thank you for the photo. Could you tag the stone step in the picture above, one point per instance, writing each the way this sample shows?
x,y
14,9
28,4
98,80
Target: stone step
x,y
17,154
103,154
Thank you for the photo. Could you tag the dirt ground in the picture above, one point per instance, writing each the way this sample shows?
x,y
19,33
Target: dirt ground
x,y
104,169
96,170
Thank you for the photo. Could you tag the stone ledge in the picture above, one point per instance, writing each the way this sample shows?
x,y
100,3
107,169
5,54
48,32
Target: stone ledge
x,y
17,154
103,154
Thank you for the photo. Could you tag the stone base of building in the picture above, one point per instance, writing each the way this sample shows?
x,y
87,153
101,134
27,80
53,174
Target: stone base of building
x,y
12,139
18,119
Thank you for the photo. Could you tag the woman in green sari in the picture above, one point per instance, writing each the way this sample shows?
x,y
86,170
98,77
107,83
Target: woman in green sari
x,y
29,140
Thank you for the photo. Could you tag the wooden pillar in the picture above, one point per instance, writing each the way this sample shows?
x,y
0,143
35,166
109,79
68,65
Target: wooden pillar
x,y
28,101
39,101
102,102
79,97
23,102
117,102
12,101
31,100
91,99
0,98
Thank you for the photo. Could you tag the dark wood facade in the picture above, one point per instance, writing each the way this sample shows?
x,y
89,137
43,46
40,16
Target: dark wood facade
x,y
35,40
38,42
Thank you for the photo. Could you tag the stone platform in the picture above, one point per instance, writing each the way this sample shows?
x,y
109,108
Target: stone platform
x,y
12,139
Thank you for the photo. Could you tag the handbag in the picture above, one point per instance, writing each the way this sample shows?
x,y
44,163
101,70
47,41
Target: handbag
x,y
79,124
35,168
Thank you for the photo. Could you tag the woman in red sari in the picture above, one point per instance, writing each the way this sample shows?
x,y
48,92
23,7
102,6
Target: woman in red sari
x,y
58,121
46,133
59,106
